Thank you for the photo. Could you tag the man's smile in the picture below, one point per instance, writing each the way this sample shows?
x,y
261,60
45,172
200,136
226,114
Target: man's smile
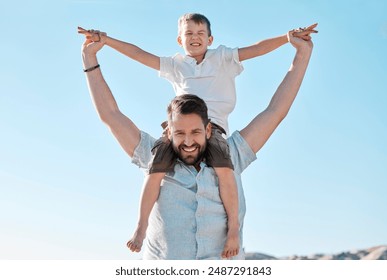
x,y
189,149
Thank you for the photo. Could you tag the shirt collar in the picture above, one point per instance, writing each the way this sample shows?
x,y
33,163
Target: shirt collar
x,y
191,167
190,60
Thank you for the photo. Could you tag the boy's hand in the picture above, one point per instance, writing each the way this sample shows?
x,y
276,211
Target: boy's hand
x,y
304,33
94,41
300,43
93,35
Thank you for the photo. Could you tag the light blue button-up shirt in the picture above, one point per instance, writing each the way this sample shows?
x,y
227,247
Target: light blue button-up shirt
x,y
188,220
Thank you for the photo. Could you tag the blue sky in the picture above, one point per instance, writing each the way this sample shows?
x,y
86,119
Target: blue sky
x,y
67,189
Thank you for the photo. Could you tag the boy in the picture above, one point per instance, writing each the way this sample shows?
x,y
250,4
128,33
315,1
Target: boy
x,y
210,74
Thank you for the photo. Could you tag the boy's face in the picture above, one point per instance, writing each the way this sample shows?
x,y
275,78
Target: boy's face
x,y
194,39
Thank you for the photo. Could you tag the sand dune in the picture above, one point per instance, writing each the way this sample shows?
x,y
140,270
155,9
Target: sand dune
x,y
373,253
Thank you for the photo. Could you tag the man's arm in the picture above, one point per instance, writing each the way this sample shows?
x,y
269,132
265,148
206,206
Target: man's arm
x,y
124,130
263,125
127,49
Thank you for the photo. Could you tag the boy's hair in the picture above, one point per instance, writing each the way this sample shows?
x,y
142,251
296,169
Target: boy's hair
x,y
188,104
197,18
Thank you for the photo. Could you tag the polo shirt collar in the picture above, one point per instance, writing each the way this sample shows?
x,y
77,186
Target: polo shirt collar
x,y
191,60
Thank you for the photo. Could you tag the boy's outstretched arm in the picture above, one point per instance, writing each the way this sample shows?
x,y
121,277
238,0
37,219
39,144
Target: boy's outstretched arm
x,y
268,45
262,47
134,52
127,49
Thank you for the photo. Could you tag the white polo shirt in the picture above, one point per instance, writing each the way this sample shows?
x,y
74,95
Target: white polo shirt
x,y
213,80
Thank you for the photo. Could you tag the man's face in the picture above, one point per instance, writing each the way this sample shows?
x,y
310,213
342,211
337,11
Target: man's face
x,y
194,39
189,137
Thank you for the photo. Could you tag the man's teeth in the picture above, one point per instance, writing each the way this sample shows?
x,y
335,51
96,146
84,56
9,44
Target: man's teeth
x,y
189,149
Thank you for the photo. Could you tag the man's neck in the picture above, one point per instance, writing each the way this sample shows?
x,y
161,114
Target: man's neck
x,y
197,166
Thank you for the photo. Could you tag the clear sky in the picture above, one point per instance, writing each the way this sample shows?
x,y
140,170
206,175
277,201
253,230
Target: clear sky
x,y
68,191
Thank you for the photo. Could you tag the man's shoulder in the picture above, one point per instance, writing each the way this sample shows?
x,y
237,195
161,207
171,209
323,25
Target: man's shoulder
x,y
241,153
142,154
234,139
146,139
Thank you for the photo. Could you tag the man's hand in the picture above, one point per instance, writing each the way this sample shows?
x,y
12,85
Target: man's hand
x,y
93,35
95,40
303,42
304,33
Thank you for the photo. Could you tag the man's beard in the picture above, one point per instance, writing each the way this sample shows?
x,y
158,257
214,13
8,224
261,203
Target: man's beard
x,y
194,159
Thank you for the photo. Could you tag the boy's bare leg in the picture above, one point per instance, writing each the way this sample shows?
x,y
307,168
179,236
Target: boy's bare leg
x,y
150,194
229,195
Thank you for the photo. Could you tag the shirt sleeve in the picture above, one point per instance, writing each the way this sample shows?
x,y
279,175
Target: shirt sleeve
x,y
142,154
241,153
167,68
231,60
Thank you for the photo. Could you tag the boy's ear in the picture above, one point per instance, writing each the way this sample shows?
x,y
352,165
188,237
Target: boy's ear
x,y
210,40
179,41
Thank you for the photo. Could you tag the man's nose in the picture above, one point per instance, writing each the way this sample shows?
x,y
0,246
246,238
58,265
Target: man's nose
x,y
188,140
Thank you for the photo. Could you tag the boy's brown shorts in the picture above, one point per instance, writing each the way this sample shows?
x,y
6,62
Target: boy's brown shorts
x,y
217,153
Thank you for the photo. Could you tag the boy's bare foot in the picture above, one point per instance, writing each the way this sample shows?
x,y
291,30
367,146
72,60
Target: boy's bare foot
x,y
135,243
231,248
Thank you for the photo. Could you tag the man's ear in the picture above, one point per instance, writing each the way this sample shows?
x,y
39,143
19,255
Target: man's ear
x,y
169,133
210,40
208,130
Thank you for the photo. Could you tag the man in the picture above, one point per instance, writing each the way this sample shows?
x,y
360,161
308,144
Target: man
x,y
189,220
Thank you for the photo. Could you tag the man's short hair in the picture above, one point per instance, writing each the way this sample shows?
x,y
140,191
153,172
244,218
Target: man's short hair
x,y
197,18
188,104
